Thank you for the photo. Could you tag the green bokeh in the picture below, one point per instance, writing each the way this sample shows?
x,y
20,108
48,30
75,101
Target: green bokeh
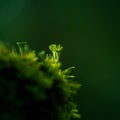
x,y
89,32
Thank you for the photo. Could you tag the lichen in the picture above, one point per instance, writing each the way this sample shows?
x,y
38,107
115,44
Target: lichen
x,y
33,85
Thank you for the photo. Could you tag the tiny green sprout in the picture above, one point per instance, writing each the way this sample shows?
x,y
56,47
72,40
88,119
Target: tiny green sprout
x,y
56,49
23,47
34,86
68,70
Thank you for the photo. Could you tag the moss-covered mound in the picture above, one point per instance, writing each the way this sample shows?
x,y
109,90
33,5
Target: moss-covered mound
x,y
33,86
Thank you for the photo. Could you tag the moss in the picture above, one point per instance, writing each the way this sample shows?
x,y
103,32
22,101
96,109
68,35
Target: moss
x,y
33,85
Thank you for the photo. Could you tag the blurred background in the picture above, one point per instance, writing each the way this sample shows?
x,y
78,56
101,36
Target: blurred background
x,y
89,31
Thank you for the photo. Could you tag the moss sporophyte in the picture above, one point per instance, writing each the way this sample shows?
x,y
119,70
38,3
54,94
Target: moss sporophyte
x,y
33,85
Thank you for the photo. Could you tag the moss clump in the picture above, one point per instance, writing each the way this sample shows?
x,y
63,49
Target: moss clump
x,y
33,86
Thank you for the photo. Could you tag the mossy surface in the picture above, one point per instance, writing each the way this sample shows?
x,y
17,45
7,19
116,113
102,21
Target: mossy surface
x,y
33,85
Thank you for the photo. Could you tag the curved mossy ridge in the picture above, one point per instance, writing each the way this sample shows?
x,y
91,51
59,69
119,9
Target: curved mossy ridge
x,y
33,86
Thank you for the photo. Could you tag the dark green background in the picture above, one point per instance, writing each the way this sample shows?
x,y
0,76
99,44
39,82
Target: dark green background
x,y
90,34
